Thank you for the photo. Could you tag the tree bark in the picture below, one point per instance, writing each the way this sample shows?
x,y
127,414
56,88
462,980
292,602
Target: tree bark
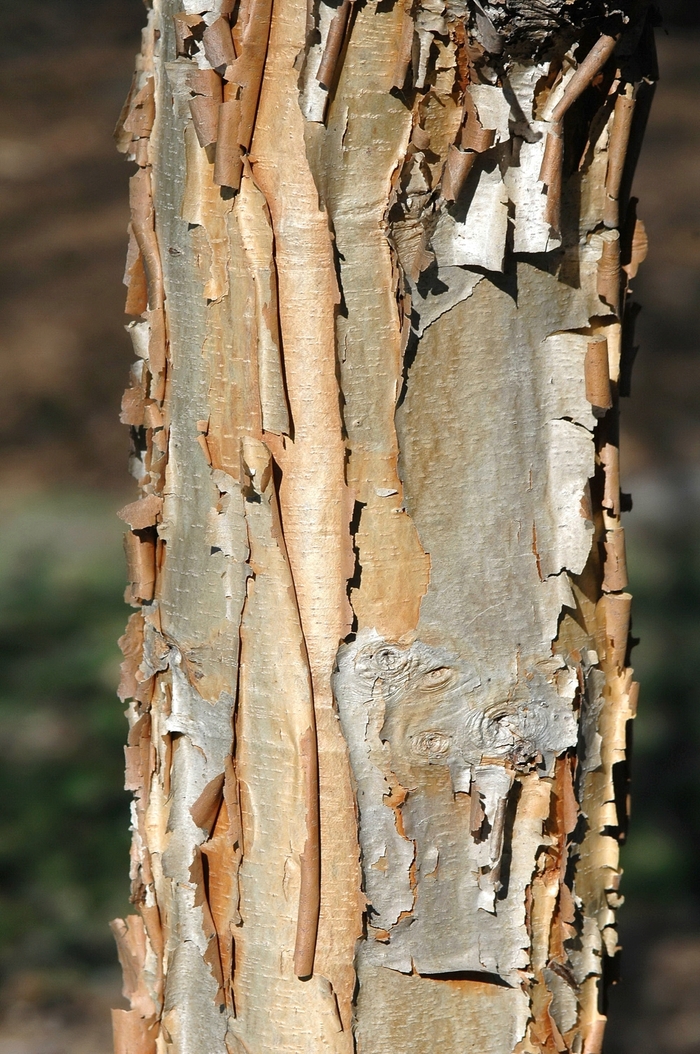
x,y
378,672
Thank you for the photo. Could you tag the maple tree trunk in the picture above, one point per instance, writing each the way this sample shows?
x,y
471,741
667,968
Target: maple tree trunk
x,y
378,673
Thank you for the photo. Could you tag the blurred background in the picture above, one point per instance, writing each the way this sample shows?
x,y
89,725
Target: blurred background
x,y
65,68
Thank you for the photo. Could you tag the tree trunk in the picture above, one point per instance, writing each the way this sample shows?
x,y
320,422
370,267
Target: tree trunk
x,y
379,682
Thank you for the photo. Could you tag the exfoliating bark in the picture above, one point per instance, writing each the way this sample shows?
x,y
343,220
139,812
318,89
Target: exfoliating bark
x,y
378,676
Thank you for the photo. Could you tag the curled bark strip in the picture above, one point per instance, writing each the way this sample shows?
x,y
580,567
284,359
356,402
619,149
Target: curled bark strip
x,y
292,760
140,549
207,89
143,224
473,139
131,941
205,117
228,166
586,72
133,1034
616,609
609,280
247,71
142,112
615,577
551,176
458,165
610,459
551,171
617,154
135,279
142,513
334,45
597,374
636,245
218,44
184,24
258,240
310,885
594,1039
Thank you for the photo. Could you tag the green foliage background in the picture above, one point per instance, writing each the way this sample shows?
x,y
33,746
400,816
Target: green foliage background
x,y
64,818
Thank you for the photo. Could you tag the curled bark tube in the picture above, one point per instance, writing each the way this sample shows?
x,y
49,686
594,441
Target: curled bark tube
x,y
143,225
132,1033
616,608
140,550
551,170
609,271
551,175
218,44
597,374
633,698
638,248
139,121
334,45
458,165
205,82
594,1039
610,460
584,75
473,139
205,118
617,153
403,59
228,165
251,65
207,88
615,575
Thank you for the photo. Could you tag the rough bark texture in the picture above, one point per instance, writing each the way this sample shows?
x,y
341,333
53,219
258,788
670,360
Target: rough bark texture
x,y
378,675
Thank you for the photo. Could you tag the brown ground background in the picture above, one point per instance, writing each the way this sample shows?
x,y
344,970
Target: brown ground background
x,y
65,67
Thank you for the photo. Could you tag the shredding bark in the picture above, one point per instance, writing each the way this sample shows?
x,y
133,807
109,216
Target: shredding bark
x,y
378,675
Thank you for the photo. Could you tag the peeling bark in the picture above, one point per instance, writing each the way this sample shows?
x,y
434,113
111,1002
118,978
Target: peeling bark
x,y
378,675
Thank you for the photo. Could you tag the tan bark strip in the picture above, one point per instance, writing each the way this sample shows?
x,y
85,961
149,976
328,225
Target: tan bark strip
x,y
229,161
597,374
143,223
130,937
615,577
247,71
207,90
223,851
334,43
218,44
142,513
140,549
616,610
609,455
314,501
617,155
275,769
132,1033
609,274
